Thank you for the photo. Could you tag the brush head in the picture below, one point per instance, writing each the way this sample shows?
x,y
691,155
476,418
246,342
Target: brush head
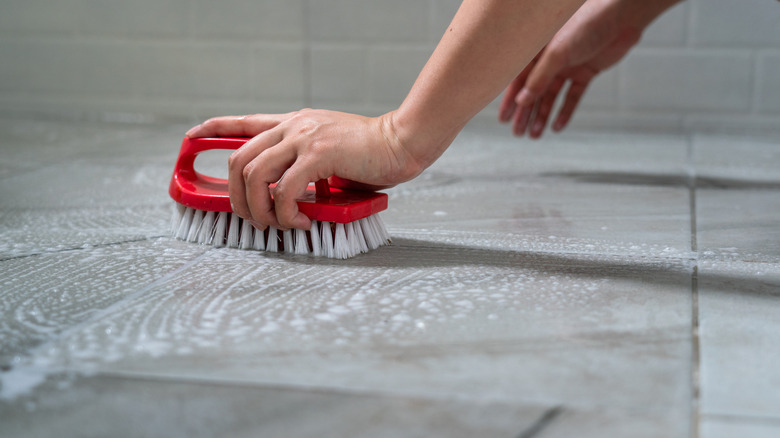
x,y
344,223
202,192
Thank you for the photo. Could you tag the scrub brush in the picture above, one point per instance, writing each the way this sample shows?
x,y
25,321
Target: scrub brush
x,y
344,222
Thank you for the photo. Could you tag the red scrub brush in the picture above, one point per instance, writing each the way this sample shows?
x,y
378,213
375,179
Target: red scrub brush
x,y
344,223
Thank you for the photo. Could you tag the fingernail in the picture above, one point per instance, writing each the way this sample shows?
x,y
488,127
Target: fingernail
x,y
524,97
538,126
192,130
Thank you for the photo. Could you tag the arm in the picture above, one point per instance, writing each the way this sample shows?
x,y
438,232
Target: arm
x,y
488,42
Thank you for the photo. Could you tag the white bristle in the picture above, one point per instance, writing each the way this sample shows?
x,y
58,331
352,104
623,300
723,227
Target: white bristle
x,y
220,229
340,244
316,239
206,233
178,213
327,240
247,235
287,241
272,244
352,239
259,239
197,222
184,225
332,240
234,231
360,235
301,242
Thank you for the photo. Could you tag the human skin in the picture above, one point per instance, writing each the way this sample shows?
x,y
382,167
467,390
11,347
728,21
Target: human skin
x,y
484,47
595,38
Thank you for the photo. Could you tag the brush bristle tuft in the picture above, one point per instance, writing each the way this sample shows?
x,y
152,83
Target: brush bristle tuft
x,y
326,239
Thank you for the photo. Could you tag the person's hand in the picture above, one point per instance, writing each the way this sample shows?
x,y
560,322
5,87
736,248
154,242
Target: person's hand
x,y
305,146
599,34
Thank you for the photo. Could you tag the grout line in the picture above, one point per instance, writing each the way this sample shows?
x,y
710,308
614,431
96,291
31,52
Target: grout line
x,y
695,341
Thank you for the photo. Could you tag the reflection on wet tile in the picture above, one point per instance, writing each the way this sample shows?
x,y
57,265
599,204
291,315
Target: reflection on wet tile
x,y
127,406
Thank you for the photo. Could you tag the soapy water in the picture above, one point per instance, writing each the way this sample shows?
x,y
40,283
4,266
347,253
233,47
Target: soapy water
x,y
151,300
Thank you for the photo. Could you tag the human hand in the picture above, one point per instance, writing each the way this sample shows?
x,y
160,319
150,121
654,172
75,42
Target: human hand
x,y
305,146
597,36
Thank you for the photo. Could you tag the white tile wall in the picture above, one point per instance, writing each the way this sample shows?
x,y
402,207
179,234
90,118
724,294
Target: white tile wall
x,y
689,80
711,60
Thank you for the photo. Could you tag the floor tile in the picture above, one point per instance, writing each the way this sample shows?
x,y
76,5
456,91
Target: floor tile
x,y
45,295
727,427
410,320
743,224
739,308
124,407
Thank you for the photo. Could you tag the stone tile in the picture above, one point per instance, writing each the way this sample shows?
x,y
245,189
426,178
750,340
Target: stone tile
x,y
43,295
559,193
739,223
726,427
419,321
739,308
130,406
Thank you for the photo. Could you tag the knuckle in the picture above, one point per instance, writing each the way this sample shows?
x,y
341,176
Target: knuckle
x,y
248,172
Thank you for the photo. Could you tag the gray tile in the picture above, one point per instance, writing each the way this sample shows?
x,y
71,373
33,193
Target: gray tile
x,y
670,29
43,295
739,313
267,19
768,94
750,23
362,20
409,320
127,406
661,79
727,427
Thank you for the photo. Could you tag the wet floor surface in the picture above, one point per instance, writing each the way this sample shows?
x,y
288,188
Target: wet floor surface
x,y
591,284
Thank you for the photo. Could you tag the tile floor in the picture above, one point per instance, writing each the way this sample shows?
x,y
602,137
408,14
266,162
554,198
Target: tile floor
x,y
590,285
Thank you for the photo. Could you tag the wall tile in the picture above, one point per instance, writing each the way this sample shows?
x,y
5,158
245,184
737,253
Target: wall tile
x,y
686,79
743,23
768,98
139,18
338,74
442,13
40,17
269,19
392,72
397,20
279,72
669,29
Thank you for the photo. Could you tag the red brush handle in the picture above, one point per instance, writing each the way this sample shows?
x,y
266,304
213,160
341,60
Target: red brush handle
x,y
203,192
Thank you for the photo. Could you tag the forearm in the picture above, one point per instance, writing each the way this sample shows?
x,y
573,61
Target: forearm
x,y
487,44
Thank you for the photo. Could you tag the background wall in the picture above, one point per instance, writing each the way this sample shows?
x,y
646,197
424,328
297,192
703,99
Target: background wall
x,y
706,63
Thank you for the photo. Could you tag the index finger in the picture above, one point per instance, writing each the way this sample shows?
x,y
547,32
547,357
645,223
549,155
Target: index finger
x,y
236,126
